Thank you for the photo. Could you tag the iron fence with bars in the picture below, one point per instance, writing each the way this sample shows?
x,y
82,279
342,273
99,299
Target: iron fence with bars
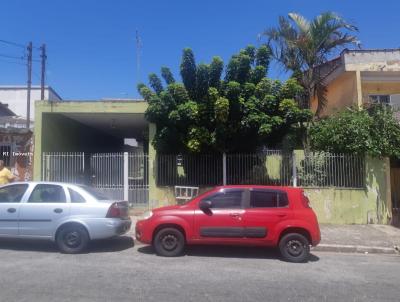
x,y
331,170
63,166
117,175
189,169
272,167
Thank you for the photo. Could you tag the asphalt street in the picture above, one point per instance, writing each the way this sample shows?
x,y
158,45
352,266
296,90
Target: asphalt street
x,y
118,270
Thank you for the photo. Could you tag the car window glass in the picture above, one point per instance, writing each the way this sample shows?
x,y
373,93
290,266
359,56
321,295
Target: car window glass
x,y
268,199
47,194
263,199
283,200
227,199
76,197
12,193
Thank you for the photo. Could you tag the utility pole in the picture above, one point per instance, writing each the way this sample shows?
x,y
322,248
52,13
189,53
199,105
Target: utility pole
x,y
28,98
43,74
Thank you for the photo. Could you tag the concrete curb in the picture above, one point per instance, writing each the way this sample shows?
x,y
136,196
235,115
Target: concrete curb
x,y
336,248
354,249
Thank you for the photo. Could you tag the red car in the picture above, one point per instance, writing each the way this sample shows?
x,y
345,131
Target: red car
x,y
235,215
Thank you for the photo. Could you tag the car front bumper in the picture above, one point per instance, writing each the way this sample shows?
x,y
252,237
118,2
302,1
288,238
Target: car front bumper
x,y
143,232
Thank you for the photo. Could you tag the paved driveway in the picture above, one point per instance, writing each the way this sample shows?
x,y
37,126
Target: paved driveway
x,y
116,270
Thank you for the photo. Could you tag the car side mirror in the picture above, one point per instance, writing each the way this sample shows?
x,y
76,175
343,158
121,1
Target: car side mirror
x,y
205,205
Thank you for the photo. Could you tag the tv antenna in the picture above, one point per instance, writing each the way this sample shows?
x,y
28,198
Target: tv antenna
x,y
139,46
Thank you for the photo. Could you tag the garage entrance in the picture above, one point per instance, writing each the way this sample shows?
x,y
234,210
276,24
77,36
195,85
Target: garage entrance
x,y
99,143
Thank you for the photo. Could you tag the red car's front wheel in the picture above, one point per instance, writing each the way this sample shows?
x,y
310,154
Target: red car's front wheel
x,y
169,242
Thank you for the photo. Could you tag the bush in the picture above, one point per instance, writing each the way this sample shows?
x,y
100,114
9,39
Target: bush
x,y
373,131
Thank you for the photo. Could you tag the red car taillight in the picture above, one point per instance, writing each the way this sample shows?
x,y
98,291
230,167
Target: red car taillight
x,y
117,210
305,201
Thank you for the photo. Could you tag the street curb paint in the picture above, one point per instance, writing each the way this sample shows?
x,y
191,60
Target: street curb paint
x,y
354,249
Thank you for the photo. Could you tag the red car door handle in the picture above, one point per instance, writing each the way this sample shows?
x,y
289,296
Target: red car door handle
x,y
282,215
234,214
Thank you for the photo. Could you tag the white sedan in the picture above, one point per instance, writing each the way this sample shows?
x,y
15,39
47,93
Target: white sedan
x,y
71,215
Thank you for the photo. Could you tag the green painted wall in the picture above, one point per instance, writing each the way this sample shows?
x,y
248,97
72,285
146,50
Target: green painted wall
x,y
332,205
356,206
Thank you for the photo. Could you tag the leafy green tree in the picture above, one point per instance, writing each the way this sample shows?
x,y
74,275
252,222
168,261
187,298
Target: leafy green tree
x,y
374,131
302,45
211,112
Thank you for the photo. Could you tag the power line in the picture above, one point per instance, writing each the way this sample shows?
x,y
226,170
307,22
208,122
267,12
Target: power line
x,y
12,43
36,75
19,58
12,62
11,57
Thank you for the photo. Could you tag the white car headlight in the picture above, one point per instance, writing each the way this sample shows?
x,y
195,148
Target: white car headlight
x,y
146,215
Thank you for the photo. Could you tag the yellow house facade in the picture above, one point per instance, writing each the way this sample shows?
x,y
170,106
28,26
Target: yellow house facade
x,y
358,77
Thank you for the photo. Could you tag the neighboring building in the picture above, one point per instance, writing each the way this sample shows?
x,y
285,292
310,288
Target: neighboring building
x,y
15,98
362,77
16,146
16,141
359,77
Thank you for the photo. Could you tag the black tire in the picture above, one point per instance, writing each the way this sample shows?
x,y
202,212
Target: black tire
x,y
294,247
72,239
169,242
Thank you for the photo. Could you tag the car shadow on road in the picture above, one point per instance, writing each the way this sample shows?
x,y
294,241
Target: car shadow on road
x,y
98,246
229,252
117,244
28,245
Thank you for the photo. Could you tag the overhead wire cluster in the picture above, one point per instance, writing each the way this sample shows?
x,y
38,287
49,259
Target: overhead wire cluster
x,y
26,59
15,59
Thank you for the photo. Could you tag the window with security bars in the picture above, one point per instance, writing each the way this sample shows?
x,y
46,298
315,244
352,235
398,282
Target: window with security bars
x,y
383,99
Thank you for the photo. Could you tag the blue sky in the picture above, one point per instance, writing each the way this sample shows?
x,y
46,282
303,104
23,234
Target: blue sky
x,y
91,44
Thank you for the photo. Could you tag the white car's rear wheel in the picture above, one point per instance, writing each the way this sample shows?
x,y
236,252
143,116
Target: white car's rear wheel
x,y
72,239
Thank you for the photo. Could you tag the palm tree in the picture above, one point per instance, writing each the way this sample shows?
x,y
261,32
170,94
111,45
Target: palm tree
x,y
301,46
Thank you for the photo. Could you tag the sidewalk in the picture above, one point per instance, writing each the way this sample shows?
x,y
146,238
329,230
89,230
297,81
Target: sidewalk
x,y
370,238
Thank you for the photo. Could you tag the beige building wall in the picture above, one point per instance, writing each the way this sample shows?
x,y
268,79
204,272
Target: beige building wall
x,y
342,93
379,88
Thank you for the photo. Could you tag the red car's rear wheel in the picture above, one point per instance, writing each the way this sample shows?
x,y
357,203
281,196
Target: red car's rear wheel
x,y
294,247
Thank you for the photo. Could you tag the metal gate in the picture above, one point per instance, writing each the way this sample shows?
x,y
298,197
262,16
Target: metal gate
x,y
117,175
63,166
121,176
